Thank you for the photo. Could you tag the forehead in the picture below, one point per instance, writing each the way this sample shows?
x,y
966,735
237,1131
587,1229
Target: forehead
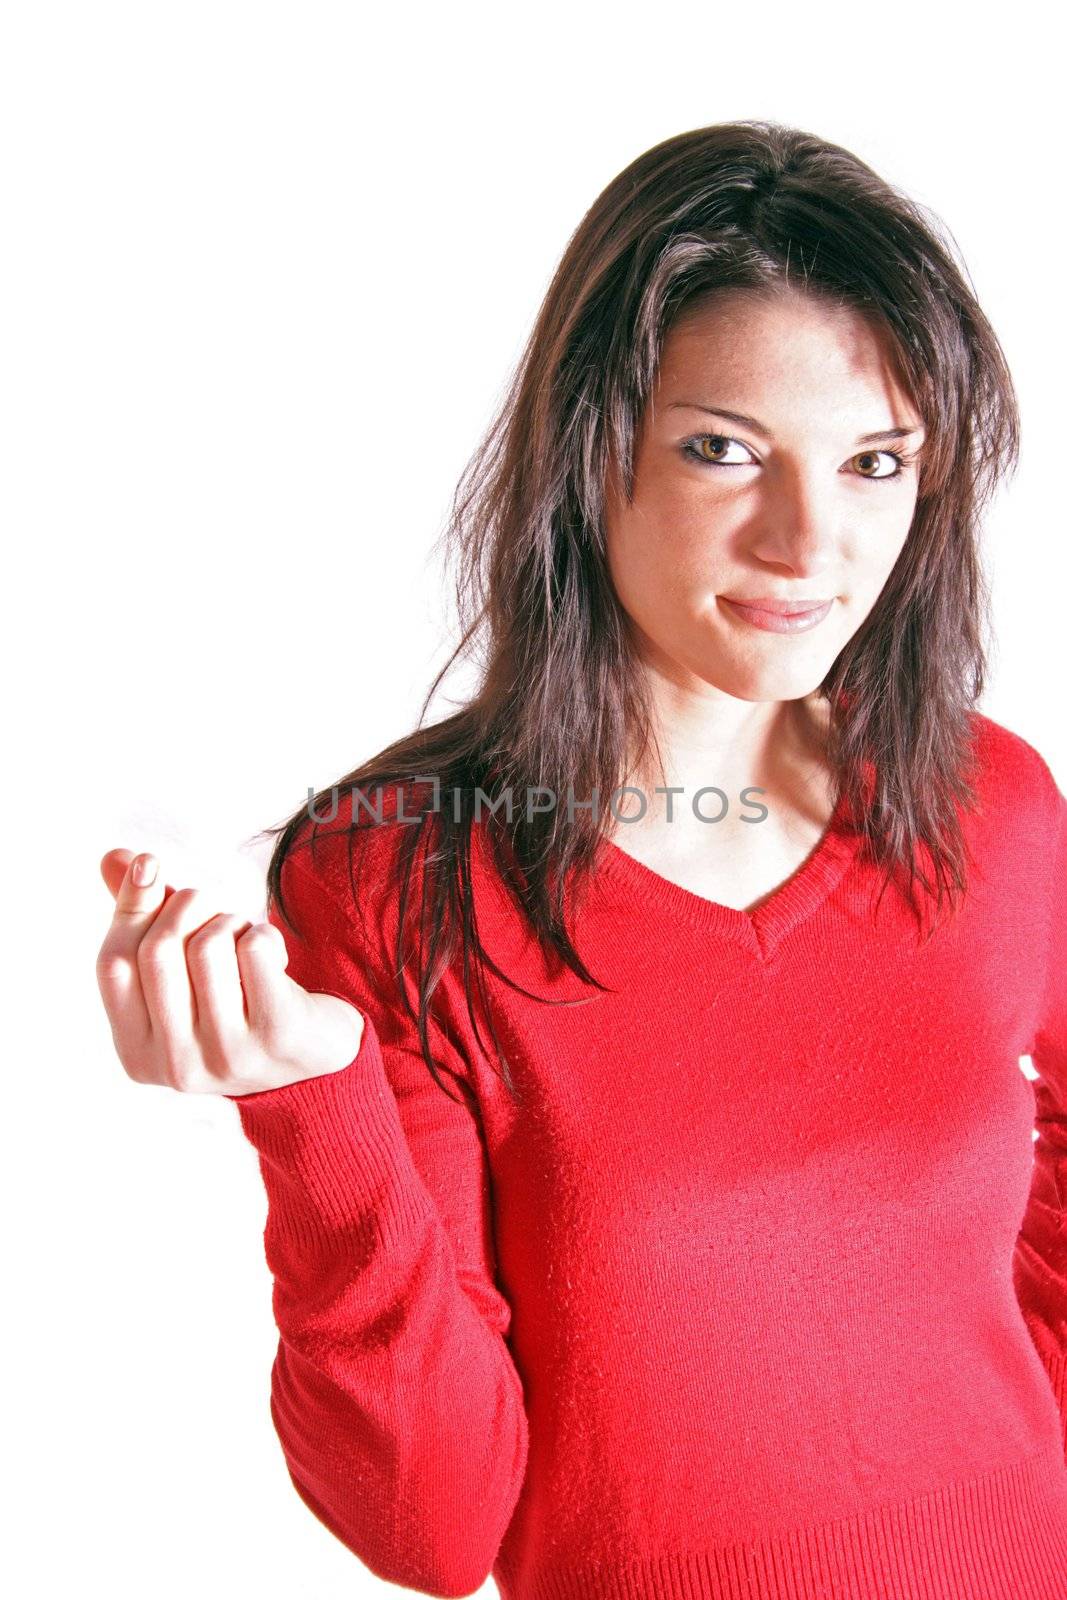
x,y
740,343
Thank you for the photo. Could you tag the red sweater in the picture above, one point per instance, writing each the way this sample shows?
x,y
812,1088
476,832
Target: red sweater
x,y
761,1292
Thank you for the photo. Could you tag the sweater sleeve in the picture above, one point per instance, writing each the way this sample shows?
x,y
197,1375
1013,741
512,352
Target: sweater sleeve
x,y
1040,1258
393,1393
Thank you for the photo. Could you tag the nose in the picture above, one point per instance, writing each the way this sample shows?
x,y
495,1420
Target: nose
x,y
797,524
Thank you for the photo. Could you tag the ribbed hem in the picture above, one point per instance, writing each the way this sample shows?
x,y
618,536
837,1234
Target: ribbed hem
x,y
1001,1536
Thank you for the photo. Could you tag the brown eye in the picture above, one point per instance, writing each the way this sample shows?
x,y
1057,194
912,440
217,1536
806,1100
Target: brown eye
x,y
871,456
710,448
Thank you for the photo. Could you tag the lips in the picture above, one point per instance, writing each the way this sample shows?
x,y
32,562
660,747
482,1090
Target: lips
x,y
778,608
777,616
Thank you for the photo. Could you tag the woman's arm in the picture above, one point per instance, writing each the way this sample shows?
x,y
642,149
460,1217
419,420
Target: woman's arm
x,y
1040,1260
393,1393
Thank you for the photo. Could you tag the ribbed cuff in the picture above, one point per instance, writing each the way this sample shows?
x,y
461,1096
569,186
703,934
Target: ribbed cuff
x,y
1056,1367
333,1151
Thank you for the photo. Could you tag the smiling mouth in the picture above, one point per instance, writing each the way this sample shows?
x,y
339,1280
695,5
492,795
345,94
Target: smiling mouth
x,y
778,616
783,608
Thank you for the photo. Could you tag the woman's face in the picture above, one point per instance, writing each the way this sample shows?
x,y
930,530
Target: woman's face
x,y
795,504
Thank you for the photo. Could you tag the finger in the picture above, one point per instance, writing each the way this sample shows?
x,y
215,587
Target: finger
x,y
211,957
164,974
113,867
262,956
136,905
140,896
115,871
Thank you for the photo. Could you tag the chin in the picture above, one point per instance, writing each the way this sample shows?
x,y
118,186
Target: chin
x,y
765,682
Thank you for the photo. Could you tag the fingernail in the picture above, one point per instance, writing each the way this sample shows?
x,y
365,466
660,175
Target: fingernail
x,y
144,871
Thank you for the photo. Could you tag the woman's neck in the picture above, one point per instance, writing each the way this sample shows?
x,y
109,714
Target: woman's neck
x,y
784,754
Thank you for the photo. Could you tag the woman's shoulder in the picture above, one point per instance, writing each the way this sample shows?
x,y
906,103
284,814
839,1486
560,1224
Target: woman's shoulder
x,y
1009,769
345,852
1020,827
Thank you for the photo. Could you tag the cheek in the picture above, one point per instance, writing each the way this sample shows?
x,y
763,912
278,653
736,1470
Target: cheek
x,y
873,557
664,569
674,540
890,536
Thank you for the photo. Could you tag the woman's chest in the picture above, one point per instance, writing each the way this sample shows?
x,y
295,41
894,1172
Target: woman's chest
x,y
707,1096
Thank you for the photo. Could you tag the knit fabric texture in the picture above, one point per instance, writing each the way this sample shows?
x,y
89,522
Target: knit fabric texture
x,y
757,1291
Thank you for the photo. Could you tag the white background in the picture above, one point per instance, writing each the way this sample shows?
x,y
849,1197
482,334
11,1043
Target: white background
x,y
267,269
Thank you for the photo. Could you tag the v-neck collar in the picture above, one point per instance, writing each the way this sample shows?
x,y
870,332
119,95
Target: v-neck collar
x,y
761,929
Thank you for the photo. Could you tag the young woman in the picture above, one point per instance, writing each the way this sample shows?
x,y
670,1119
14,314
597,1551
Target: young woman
x,y
653,1202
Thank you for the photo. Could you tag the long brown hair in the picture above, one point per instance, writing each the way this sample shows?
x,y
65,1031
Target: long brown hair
x,y
562,702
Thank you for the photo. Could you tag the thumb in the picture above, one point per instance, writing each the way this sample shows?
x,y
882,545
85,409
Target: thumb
x,y
130,897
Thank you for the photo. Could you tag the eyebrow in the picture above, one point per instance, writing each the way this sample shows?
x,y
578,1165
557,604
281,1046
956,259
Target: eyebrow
x,y
884,436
